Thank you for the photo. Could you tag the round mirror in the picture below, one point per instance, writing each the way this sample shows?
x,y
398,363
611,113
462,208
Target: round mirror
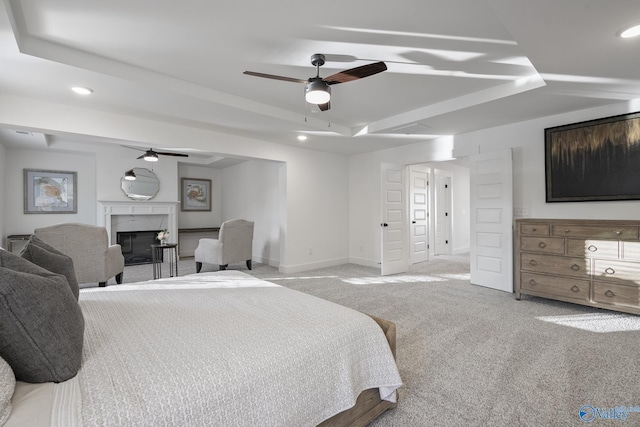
x,y
140,184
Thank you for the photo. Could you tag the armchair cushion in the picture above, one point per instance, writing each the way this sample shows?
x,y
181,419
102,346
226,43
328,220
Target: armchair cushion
x,y
49,258
42,324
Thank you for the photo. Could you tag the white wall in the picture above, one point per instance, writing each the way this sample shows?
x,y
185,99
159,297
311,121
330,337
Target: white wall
x,y
251,191
364,193
313,186
3,189
15,220
194,219
527,141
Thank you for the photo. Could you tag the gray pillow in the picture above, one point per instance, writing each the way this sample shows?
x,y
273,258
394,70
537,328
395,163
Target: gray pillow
x,y
7,386
42,328
49,258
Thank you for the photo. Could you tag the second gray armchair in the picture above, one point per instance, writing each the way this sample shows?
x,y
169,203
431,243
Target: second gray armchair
x,y
234,244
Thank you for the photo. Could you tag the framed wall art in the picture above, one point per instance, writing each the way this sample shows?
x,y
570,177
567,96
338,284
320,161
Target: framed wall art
x,y
196,194
595,160
50,191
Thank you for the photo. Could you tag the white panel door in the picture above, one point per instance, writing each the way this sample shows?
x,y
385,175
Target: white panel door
x,y
443,213
418,215
491,220
394,223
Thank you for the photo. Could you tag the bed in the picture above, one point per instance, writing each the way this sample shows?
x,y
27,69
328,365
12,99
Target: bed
x,y
221,348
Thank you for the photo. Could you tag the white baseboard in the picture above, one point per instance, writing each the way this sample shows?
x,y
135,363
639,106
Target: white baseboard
x,y
287,269
459,251
364,261
267,261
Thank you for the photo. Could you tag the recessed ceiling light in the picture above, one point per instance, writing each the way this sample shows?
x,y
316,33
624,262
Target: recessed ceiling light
x,y
302,137
630,32
82,90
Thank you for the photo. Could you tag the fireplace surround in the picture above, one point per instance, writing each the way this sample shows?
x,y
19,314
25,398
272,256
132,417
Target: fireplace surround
x,y
119,216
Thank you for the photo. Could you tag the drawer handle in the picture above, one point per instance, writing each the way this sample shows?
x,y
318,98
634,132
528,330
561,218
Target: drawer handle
x,y
567,231
534,229
609,294
533,262
618,232
592,248
575,288
533,282
575,267
610,270
542,245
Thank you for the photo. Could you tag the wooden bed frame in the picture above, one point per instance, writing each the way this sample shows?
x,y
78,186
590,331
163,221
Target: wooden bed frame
x,y
368,405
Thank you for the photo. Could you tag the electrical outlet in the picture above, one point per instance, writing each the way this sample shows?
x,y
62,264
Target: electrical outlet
x,y
520,211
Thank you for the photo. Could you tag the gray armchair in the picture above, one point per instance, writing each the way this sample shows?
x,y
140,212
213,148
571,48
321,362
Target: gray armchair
x,y
234,244
94,260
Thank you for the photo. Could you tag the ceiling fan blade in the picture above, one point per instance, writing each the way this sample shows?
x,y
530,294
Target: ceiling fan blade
x,y
324,107
133,148
356,73
171,154
141,157
274,77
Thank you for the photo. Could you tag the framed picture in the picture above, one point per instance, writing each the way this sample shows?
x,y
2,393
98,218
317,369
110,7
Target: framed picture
x,y
196,194
48,191
594,161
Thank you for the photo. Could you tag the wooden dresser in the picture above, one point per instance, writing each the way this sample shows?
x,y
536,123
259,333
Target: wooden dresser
x,y
589,262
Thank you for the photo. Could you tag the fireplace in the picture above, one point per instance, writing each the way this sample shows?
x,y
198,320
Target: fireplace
x,y
136,246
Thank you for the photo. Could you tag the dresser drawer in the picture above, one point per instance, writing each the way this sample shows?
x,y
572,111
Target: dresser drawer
x,y
631,251
552,264
555,286
617,271
593,248
616,295
549,245
596,231
535,229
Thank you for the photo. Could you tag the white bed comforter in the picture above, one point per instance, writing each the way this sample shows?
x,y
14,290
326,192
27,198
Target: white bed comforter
x,y
220,349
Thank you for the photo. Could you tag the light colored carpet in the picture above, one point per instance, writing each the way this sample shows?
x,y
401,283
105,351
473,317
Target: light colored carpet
x,y
471,356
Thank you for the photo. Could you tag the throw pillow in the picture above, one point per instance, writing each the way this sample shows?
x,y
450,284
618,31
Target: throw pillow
x,y
7,386
49,258
42,324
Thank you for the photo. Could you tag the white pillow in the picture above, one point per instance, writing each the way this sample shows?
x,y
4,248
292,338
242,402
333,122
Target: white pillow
x,y
7,385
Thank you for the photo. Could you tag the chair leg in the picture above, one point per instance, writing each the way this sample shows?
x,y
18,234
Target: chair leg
x,y
102,284
249,264
119,278
198,267
223,267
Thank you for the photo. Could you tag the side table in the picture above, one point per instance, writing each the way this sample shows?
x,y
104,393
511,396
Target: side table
x,y
157,252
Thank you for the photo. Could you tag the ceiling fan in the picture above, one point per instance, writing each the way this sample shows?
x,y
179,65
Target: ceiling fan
x,y
152,156
318,90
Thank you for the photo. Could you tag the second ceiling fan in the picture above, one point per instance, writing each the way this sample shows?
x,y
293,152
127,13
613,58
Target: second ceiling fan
x,y
317,89
151,155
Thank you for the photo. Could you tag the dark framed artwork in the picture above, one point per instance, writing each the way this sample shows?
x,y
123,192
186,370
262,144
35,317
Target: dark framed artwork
x,y
196,194
50,191
597,160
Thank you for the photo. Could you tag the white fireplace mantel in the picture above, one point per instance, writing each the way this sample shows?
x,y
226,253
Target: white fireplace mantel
x,y
109,209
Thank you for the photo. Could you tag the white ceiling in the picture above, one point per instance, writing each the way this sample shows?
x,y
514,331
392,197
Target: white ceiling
x,y
454,66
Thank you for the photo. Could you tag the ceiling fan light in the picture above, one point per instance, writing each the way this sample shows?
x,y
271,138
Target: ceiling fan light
x,y
150,156
317,92
630,32
130,175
